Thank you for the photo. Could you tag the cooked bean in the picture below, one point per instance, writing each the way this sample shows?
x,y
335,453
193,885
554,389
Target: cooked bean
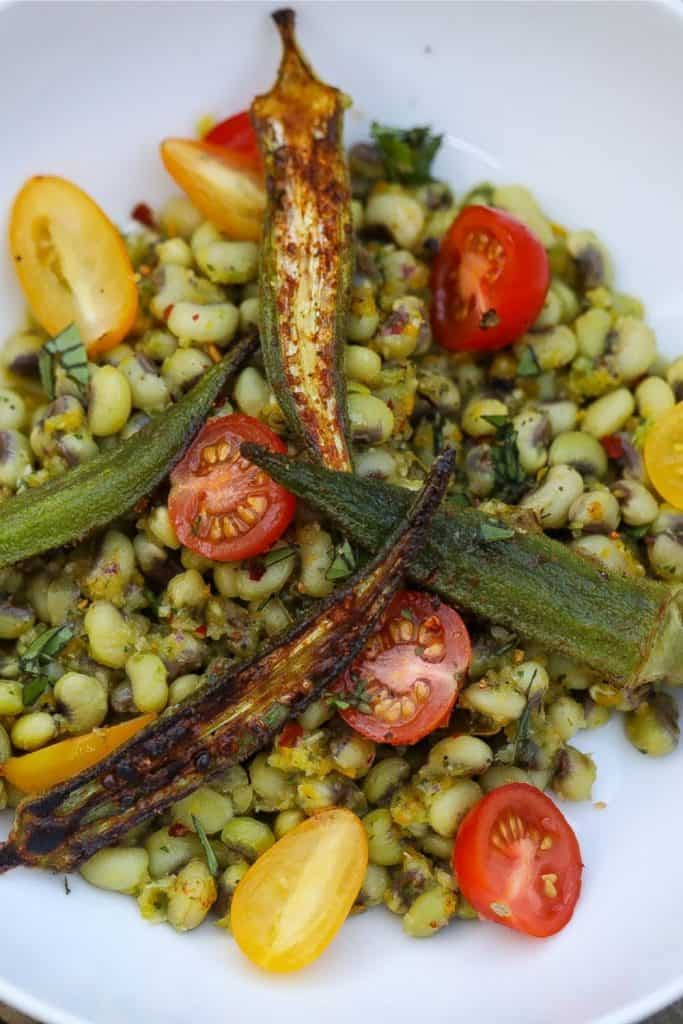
x,y
286,821
592,328
118,869
371,420
566,716
113,570
653,727
384,778
12,410
11,698
574,775
15,458
582,452
362,364
148,680
153,899
449,807
592,259
34,730
174,250
632,348
363,315
110,637
552,500
179,217
384,844
476,417
187,590
204,324
110,401
82,700
608,414
273,790
167,853
184,368
390,207
399,334
459,755
192,896
521,204
638,505
654,397
613,553
277,572
249,314
182,687
160,527
316,714
502,703
207,807
14,621
430,912
229,262
530,678
501,775
352,754
316,552
251,392
553,348
374,885
594,512
533,434
247,837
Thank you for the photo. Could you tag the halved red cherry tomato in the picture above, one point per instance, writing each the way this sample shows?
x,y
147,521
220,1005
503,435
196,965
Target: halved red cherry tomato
x,y
518,862
406,680
489,281
237,134
222,506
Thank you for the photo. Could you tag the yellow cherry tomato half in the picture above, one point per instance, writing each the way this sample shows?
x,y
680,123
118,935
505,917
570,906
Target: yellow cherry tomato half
x,y
72,263
663,453
221,183
294,899
42,769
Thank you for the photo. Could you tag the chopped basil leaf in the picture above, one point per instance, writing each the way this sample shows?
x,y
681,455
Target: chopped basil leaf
x,y
497,421
344,563
407,155
68,351
34,689
211,861
492,531
528,365
510,478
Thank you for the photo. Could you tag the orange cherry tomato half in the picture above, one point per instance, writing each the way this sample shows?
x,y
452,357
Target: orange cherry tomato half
x,y
237,134
38,771
294,899
221,183
222,506
518,862
663,452
72,263
405,682
489,281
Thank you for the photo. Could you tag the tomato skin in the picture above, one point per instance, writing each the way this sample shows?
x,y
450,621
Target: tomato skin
x,y
664,455
223,184
72,263
489,281
402,662
213,484
533,877
290,735
236,133
294,899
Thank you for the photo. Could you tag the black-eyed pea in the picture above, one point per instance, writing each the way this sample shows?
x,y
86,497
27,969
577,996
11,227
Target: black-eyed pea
x,y
16,459
575,774
82,700
502,775
638,505
566,716
613,553
449,806
476,419
384,841
532,428
363,317
286,821
592,329
148,679
631,348
561,415
653,727
15,620
371,421
582,452
607,415
389,206
273,789
179,217
595,511
183,687
247,837
110,401
459,756
592,259
13,412
183,368
251,392
362,364
480,471
431,911
520,202
553,348
168,852
153,899
530,678
206,807
554,497
374,886
33,730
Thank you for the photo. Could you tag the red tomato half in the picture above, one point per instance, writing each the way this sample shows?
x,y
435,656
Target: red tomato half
x,y
409,673
518,862
489,281
222,506
237,134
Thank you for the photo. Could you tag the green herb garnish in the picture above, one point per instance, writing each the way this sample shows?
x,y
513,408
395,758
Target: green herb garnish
x,y
344,562
511,480
67,887
528,365
211,861
68,351
407,155
34,689
276,556
493,531
359,697
44,647
522,740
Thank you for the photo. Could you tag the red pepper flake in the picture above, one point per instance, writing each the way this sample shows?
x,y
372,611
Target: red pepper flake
x,y
201,631
195,316
168,311
142,213
177,830
613,445
290,735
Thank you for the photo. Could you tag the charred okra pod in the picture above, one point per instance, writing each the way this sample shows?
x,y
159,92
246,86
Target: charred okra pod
x,y
307,250
237,712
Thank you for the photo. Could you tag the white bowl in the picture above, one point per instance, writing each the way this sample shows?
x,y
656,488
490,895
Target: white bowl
x,y
582,103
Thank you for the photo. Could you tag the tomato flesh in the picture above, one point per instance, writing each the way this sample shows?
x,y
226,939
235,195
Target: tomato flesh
x,y
294,899
405,681
222,506
518,862
489,281
223,184
236,133
72,263
663,452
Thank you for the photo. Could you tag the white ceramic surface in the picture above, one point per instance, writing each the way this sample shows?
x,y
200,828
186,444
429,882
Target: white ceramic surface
x,y
580,101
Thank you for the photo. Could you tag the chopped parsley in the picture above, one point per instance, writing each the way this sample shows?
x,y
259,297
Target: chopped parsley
x,y
36,661
510,478
407,155
344,562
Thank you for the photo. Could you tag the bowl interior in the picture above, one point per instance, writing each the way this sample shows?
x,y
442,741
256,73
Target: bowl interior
x,y
581,103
